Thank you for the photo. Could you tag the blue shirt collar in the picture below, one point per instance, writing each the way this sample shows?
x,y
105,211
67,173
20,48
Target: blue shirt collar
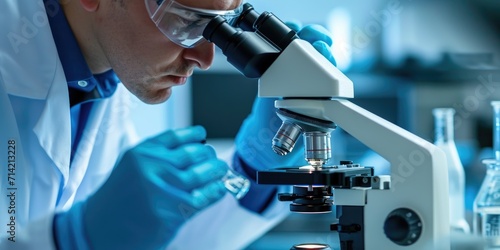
x,y
80,79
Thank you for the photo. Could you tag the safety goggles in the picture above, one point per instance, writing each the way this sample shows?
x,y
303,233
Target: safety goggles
x,y
184,25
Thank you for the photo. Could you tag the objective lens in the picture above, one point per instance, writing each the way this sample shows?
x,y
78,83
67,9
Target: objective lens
x,y
318,150
286,137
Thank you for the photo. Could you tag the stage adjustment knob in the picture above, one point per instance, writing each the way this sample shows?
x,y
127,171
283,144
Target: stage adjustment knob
x,y
403,226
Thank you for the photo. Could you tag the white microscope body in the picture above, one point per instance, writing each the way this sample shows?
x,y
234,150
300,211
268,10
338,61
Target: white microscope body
x,y
408,210
418,168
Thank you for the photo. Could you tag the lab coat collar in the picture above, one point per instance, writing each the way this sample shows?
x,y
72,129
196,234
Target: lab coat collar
x,y
53,128
84,86
75,67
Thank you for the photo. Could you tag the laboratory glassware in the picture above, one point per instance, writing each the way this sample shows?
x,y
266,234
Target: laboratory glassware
x,y
236,184
444,139
486,220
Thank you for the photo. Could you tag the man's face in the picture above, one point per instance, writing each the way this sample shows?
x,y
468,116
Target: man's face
x,y
146,61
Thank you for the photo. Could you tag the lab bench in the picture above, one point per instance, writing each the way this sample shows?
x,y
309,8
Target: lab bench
x,y
306,228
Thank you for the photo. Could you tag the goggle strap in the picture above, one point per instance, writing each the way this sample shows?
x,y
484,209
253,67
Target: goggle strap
x,y
160,12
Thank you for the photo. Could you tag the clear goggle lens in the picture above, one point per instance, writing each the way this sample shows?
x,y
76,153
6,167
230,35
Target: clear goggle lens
x,y
184,25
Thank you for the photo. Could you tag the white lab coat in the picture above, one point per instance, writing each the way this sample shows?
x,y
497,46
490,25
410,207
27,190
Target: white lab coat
x,y
35,136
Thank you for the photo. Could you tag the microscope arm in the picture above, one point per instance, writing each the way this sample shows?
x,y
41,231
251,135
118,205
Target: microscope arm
x,y
405,151
418,169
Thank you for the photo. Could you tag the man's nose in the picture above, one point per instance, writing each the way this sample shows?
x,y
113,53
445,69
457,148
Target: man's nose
x,y
203,54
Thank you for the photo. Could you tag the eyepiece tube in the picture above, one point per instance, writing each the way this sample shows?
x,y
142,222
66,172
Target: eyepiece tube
x,y
219,32
247,18
247,51
267,24
275,30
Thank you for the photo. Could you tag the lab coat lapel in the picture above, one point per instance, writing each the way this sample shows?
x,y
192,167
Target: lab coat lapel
x,y
17,175
89,142
53,129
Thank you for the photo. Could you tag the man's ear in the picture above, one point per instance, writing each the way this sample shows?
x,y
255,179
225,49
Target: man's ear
x,y
90,5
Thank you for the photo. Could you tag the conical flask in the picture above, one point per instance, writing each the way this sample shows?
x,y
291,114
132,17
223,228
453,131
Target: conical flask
x,y
486,220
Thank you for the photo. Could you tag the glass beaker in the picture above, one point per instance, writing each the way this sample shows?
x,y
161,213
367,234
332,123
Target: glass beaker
x,y
236,184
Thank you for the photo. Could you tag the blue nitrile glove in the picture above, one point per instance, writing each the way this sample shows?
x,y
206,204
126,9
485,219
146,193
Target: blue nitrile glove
x,y
318,36
153,190
254,139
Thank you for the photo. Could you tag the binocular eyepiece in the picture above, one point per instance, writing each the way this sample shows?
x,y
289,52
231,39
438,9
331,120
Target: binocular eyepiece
x,y
252,41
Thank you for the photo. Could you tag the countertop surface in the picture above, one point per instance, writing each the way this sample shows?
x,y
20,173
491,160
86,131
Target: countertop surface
x,y
302,228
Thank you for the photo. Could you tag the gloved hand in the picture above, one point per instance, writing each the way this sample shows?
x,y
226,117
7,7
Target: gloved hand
x,y
317,35
152,191
254,139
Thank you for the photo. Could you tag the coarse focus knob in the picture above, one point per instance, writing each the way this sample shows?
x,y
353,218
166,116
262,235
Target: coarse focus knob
x,y
403,226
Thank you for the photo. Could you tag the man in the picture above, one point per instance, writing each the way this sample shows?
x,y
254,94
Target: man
x,y
73,175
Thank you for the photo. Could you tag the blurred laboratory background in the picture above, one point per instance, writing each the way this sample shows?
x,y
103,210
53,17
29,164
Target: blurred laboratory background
x,y
404,57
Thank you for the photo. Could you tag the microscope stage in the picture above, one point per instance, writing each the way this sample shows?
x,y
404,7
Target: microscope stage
x,y
337,176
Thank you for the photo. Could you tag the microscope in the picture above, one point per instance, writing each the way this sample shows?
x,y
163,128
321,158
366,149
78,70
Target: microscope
x,y
407,209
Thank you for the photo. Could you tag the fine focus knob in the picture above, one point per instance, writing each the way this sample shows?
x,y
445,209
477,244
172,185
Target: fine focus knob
x,y
403,226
